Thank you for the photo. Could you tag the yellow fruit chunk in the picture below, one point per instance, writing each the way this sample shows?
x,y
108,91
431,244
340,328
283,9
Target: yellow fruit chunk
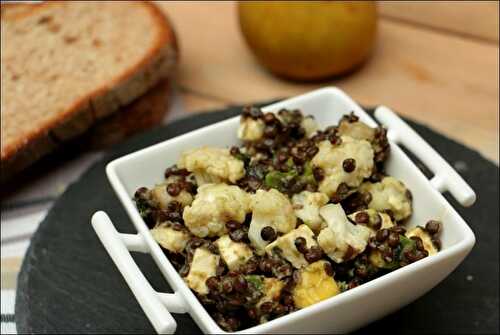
x,y
314,285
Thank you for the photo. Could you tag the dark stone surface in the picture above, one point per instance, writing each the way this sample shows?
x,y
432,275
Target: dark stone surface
x,y
68,284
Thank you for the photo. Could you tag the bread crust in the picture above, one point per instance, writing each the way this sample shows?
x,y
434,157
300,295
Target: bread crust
x,y
143,113
157,63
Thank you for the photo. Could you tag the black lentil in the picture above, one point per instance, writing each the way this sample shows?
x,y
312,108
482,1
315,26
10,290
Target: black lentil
x,y
393,240
268,233
382,235
318,173
173,189
433,227
349,165
376,222
232,225
362,217
313,254
328,269
300,244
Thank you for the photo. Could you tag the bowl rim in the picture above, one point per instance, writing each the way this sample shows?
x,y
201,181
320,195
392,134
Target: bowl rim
x,y
196,310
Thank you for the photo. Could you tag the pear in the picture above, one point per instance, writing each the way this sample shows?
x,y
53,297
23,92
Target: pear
x,y
309,40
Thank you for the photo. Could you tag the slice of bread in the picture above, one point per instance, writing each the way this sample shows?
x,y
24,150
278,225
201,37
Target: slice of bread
x,y
143,113
65,65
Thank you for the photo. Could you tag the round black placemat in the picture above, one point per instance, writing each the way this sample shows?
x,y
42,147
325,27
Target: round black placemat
x,y
68,284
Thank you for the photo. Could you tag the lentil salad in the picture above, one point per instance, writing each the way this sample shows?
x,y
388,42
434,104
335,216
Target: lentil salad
x,y
293,216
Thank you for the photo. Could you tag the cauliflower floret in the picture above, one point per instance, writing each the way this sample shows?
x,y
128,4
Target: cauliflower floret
x,y
169,238
426,239
376,221
234,254
250,129
307,205
269,208
389,194
161,197
310,125
341,240
213,206
331,157
203,266
314,285
212,165
286,244
357,130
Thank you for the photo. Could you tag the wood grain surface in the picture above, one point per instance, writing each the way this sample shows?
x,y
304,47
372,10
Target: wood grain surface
x,y
435,63
472,19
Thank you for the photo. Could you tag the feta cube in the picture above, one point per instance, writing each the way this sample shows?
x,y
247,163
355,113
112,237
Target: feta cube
x,y
286,244
234,254
203,266
169,238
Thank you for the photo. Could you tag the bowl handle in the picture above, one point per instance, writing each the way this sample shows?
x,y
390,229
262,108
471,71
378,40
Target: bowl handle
x,y
118,246
445,177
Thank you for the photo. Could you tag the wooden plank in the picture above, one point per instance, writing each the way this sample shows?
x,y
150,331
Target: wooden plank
x,y
10,268
477,19
447,82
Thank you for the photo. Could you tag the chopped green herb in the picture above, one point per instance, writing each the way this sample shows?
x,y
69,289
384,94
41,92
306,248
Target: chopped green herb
x,y
308,177
342,286
279,180
143,207
243,157
255,280
406,243
257,171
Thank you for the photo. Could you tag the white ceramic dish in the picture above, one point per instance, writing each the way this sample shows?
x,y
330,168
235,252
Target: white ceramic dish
x,y
342,313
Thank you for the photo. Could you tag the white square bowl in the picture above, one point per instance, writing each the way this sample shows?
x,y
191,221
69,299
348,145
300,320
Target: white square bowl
x,y
342,313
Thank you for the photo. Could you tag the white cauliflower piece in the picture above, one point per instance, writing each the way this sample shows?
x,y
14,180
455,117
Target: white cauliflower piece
x,y
269,208
286,244
234,254
341,240
389,194
169,238
357,130
306,205
213,206
426,239
310,125
161,198
331,157
212,165
250,129
203,266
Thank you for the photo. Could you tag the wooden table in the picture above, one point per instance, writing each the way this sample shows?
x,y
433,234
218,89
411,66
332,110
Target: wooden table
x,y
434,62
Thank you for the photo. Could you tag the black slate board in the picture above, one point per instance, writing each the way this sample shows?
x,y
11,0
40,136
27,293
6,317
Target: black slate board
x,y
68,284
